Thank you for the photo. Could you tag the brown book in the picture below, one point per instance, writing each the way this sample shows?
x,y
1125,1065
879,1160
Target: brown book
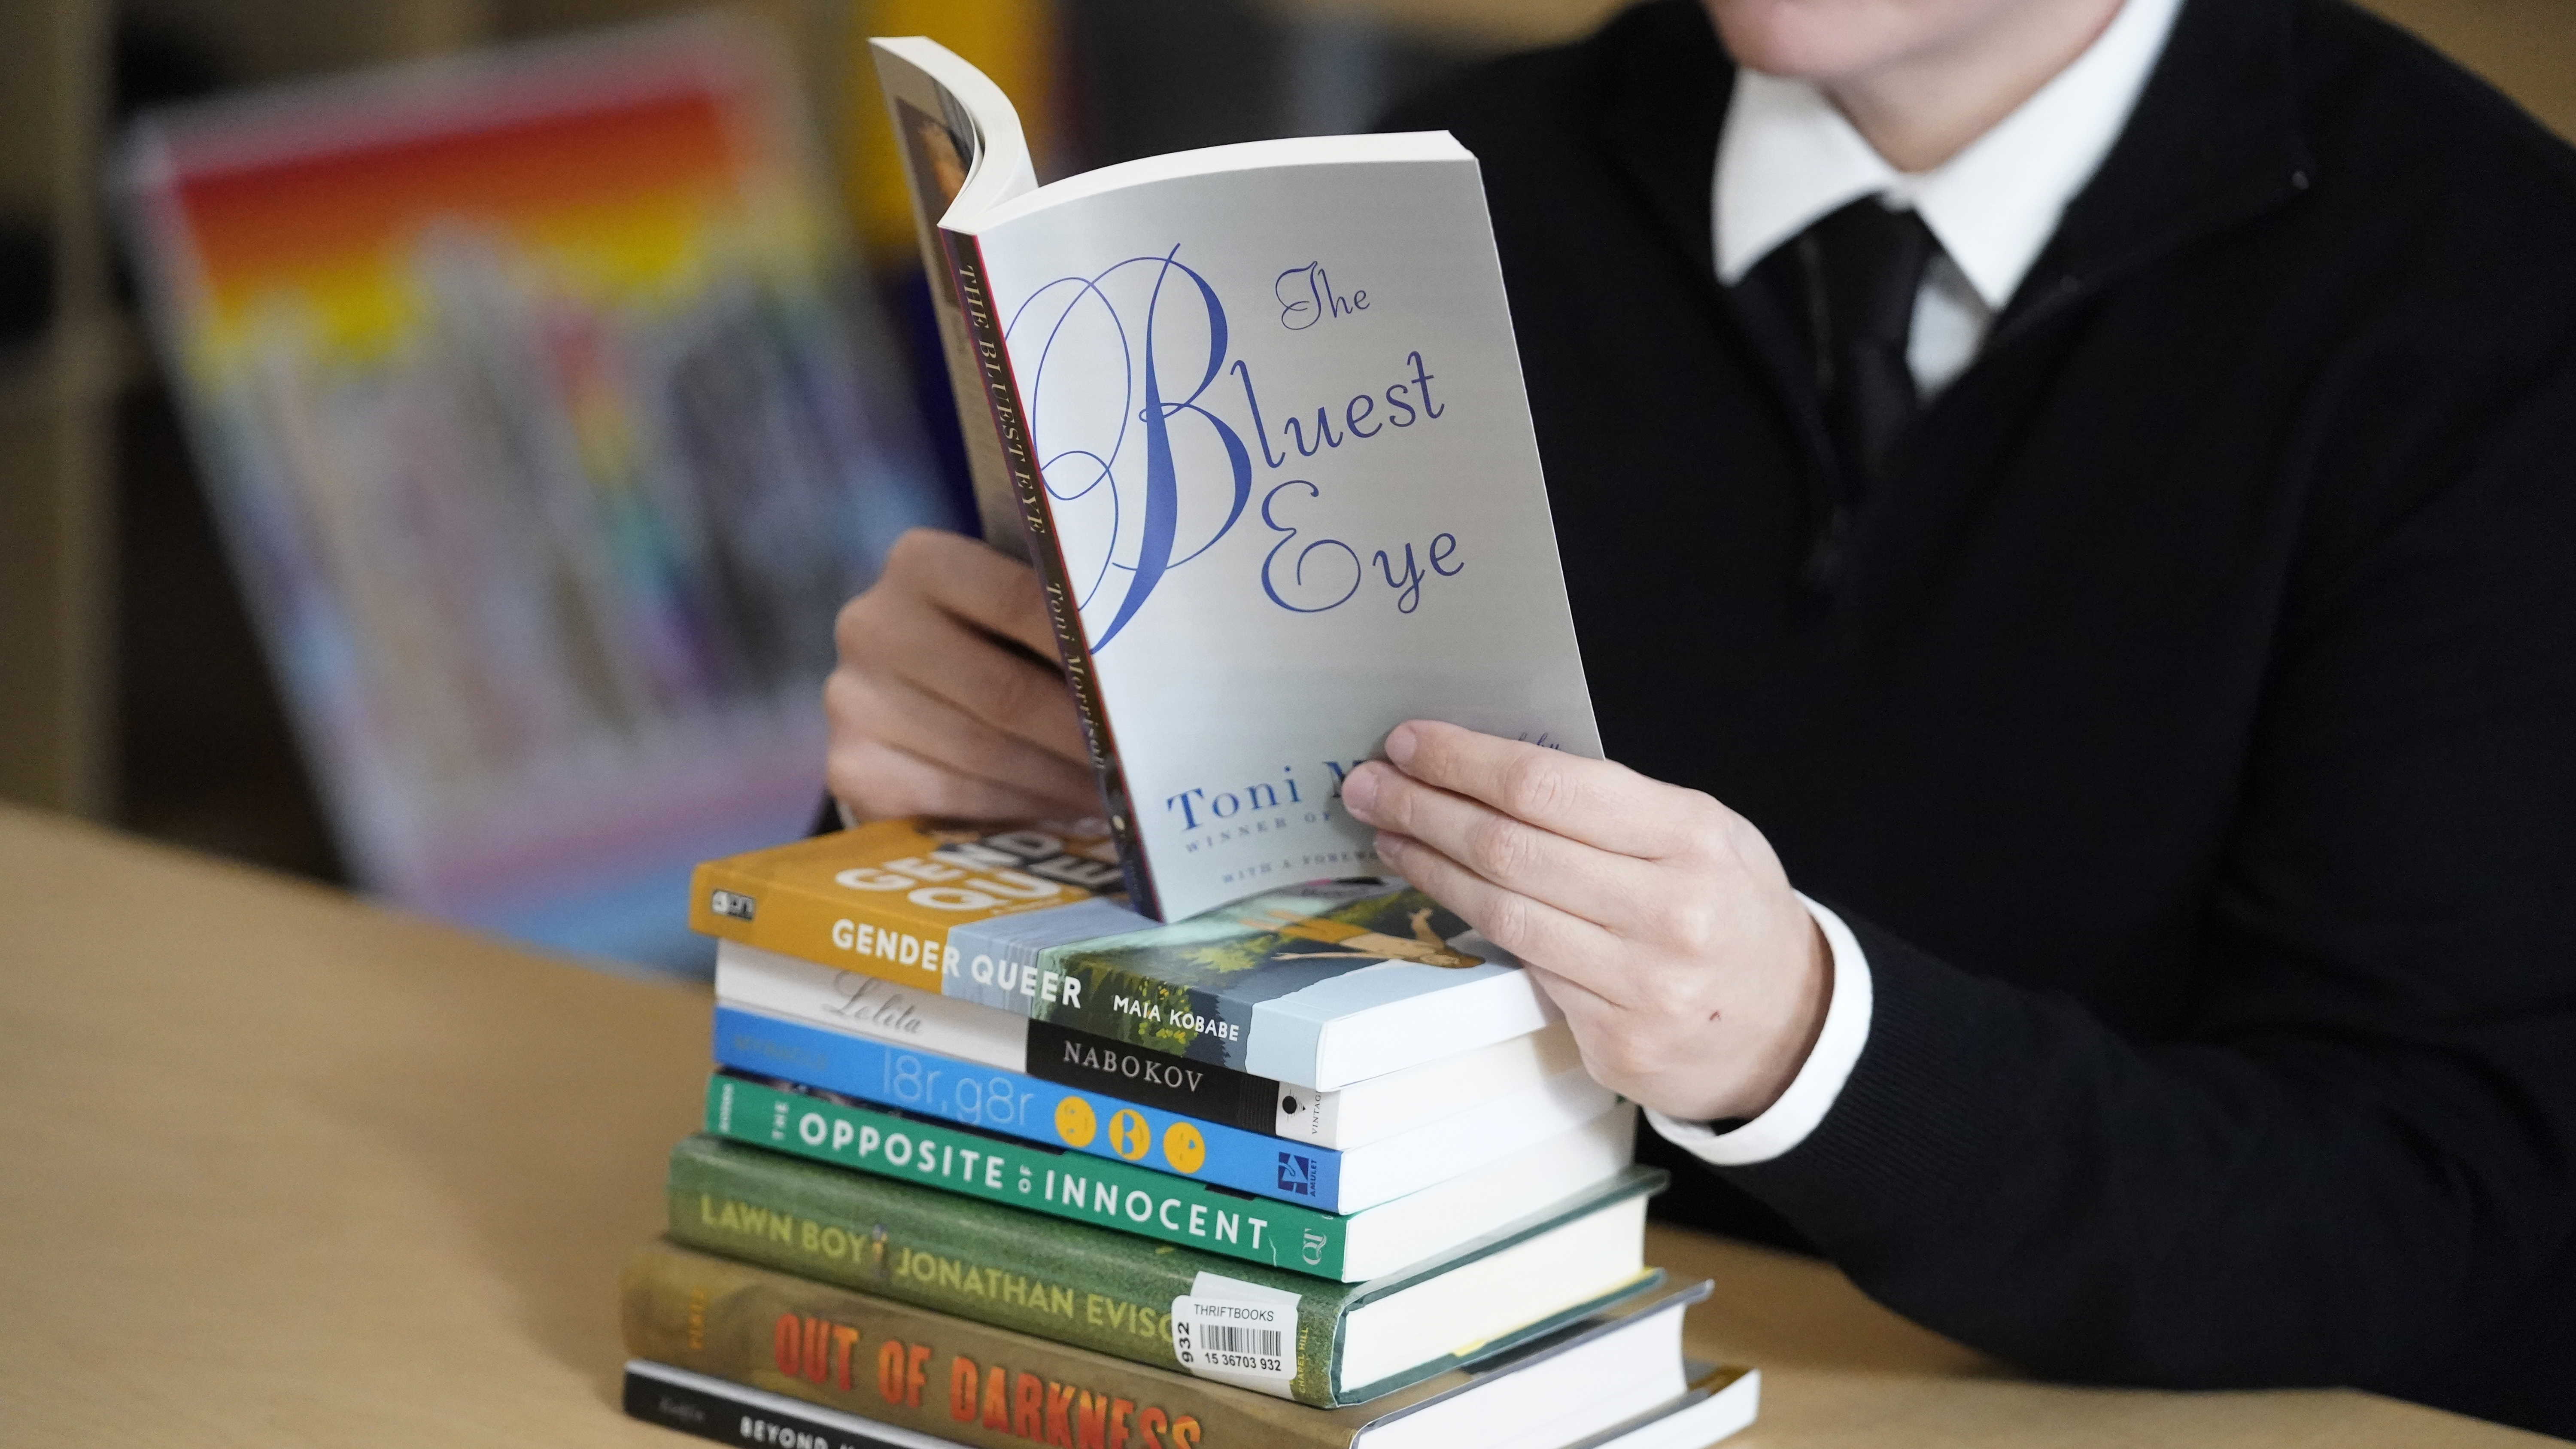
x,y
975,1384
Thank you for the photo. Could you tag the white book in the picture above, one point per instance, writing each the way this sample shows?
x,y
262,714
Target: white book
x,y
1498,1096
1261,427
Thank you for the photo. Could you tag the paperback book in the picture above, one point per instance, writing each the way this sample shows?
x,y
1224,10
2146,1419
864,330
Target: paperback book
x,y
1319,986
1262,430
1108,1193
1015,1105
775,984
1130,1296
1718,1402
718,1327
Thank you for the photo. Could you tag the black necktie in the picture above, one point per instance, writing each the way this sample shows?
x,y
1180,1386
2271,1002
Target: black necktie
x,y
1864,265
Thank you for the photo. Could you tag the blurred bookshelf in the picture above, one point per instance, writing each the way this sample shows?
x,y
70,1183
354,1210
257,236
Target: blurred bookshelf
x,y
132,688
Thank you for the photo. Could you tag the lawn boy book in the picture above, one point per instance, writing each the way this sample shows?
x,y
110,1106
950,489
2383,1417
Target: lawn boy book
x,y
1346,1248
1319,986
776,984
1718,1402
1014,1105
1262,418
1136,1298
729,1326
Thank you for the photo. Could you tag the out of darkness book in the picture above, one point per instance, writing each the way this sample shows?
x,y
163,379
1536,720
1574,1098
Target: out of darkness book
x,y
978,1384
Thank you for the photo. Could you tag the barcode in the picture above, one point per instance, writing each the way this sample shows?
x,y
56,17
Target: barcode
x,y
1233,1338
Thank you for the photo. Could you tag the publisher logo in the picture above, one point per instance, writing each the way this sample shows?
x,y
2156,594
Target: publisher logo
x,y
726,903
1297,1174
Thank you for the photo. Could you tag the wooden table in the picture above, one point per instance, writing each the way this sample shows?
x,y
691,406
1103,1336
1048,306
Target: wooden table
x,y
278,1167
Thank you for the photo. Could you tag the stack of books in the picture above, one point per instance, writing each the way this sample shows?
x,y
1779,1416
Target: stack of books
x,y
989,1158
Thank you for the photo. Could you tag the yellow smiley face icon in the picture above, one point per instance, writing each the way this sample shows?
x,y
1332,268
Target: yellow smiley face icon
x,y
1074,1122
1129,1137
1183,1148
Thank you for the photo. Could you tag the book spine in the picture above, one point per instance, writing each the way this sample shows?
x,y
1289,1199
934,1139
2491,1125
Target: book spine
x,y
870,1006
1204,1090
736,1418
956,1379
735,903
1136,1009
1019,455
1015,1104
909,1016
1105,1193
1107,1291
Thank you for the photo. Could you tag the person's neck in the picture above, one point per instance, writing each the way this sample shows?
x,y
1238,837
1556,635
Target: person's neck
x,y
1923,108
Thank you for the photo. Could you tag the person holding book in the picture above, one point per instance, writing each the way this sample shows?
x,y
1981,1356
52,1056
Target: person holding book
x,y
2078,486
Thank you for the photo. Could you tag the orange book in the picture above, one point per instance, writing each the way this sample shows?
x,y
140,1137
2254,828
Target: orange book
x,y
881,898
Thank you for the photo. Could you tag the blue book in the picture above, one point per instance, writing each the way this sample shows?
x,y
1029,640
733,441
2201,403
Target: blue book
x,y
1018,1105
1015,1104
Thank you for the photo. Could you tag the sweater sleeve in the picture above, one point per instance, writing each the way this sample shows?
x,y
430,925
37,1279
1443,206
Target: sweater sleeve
x,y
2362,1140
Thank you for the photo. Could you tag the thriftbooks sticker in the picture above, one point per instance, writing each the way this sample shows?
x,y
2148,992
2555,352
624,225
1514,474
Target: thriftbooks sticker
x,y
1239,1333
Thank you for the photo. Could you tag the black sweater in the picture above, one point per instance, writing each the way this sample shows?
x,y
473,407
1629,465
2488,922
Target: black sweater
x,y
2187,727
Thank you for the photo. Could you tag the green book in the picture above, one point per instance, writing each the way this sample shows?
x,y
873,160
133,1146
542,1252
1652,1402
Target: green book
x,y
1299,1337
1056,1182
742,1354
1344,1247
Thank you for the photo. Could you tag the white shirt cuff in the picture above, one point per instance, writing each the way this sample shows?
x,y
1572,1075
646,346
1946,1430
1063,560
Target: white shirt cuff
x,y
1819,1082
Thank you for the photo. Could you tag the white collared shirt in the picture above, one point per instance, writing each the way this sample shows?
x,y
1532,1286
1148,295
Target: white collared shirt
x,y
1788,158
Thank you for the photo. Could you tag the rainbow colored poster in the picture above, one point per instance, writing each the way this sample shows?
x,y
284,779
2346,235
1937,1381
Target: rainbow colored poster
x,y
547,447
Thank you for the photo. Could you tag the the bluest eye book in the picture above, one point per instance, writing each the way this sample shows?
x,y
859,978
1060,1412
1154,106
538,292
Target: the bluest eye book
x,y
1321,985
1256,414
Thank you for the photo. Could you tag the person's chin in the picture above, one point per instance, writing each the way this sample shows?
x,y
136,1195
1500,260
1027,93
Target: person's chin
x,y
1802,39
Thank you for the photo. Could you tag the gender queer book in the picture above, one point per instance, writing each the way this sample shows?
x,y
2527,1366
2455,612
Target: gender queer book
x,y
1319,986
1265,437
1133,1297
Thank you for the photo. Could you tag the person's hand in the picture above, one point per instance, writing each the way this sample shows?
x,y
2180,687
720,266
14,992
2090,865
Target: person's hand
x,y
1657,919
946,700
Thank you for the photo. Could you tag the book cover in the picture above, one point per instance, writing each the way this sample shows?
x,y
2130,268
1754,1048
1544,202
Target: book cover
x,y
545,431
1718,1402
1344,1247
1015,1104
1318,986
881,899
1323,984
1107,1193
1105,1290
905,1016
910,1368
1263,413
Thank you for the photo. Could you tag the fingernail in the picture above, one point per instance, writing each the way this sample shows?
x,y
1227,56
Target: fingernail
x,y
1399,745
1359,791
1390,847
